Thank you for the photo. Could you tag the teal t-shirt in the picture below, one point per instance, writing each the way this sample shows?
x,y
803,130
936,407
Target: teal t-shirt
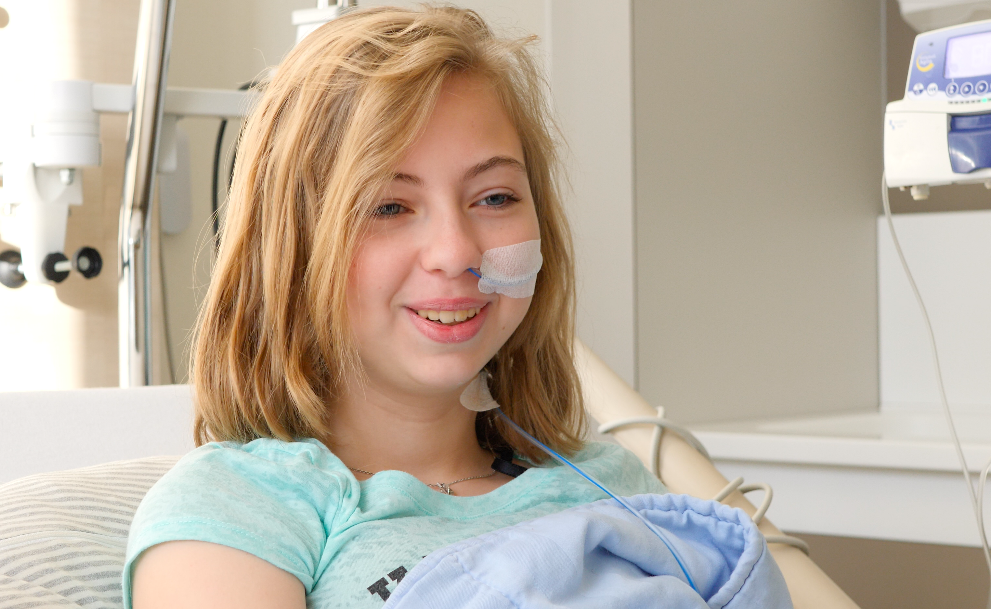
x,y
297,506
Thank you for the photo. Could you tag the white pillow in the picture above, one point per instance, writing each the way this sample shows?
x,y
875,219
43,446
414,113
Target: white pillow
x,y
63,534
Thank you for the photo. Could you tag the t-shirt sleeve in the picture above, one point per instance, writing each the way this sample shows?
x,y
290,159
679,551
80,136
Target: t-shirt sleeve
x,y
270,501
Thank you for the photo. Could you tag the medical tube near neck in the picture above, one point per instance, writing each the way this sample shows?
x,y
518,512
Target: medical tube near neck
x,y
650,525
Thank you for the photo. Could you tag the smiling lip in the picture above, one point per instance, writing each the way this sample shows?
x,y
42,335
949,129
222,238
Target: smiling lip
x,y
457,333
447,304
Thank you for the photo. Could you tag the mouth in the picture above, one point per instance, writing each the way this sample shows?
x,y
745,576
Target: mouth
x,y
449,318
449,325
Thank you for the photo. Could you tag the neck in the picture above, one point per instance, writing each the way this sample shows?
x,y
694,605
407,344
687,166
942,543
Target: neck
x,y
431,437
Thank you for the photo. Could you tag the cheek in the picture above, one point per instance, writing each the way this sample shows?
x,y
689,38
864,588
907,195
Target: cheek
x,y
514,310
376,274
528,227
534,223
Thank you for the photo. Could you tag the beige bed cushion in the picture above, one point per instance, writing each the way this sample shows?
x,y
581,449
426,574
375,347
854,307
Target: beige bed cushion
x,y
63,534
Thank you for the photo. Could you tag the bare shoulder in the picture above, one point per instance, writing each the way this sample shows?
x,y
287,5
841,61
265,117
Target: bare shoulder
x,y
194,574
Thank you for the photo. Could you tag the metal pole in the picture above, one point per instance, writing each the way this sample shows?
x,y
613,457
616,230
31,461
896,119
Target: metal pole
x,y
151,61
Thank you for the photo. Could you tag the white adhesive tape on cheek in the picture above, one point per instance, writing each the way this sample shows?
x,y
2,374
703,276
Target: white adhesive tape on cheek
x,y
476,395
511,270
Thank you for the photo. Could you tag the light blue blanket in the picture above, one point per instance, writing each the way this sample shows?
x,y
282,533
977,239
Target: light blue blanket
x,y
600,555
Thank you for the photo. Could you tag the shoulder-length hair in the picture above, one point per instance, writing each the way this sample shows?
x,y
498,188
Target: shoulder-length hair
x,y
273,346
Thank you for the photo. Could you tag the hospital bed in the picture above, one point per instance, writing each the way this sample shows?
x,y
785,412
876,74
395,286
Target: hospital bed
x,y
75,464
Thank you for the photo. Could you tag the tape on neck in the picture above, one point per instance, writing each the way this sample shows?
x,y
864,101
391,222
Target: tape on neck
x,y
476,395
510,270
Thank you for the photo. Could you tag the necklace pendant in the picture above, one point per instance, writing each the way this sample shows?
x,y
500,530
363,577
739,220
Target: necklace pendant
x,y
444,488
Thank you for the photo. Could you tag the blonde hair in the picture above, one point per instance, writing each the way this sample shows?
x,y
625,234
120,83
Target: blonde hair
x,y
273,346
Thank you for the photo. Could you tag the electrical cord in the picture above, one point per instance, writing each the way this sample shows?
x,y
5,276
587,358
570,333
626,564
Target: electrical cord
x,y
976,503
660,424
737,485
980,509
214,198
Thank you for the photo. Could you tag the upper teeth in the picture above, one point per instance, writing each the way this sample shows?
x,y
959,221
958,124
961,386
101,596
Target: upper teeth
x,y
449,317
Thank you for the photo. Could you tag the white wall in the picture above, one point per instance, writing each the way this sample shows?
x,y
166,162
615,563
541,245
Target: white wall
x,y
591,81
758,163
949,254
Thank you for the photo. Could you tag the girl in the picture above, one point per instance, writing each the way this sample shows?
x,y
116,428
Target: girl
x,y
344,321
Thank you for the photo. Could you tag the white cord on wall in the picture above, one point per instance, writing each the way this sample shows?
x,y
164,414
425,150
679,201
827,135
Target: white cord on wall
x,y
660,424
977,501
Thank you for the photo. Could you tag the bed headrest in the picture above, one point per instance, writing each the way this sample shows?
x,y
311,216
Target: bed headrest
x,y
63,534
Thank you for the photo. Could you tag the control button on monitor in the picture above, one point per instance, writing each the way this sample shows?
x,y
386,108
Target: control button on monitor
x,y
932,89
952,88
981,87
918,88
966,88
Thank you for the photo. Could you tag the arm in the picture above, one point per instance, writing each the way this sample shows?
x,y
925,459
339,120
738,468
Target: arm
x,y
685,471
197,574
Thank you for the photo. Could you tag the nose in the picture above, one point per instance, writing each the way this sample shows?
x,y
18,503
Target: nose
x,y
450,247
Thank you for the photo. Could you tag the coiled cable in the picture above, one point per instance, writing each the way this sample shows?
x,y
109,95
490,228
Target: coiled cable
x,y
660,424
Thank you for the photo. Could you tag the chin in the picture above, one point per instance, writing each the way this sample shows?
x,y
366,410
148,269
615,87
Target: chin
x,y
450,379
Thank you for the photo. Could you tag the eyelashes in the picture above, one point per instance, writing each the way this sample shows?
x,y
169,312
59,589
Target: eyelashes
x,y
388,210
504,199
498,200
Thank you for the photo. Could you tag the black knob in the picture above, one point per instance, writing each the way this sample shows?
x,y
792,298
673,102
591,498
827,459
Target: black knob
x,y
10,269
52,270
88,262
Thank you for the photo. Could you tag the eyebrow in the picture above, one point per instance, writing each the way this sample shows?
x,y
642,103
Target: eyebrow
x,y
475,171
496,161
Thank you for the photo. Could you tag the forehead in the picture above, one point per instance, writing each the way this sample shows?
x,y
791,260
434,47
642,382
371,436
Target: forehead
x,y
468,124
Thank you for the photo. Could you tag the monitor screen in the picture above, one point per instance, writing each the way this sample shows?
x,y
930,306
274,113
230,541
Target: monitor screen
x,y
968,56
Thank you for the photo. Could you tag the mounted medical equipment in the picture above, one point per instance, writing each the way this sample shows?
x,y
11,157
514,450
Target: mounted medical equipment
x,y
927,15
41,178
56,133
939,134
308,19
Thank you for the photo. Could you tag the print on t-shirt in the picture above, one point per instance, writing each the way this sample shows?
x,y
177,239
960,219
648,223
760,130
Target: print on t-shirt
x,y
380,587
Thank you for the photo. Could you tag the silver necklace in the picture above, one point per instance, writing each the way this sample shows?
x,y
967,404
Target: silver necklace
x,y
444,487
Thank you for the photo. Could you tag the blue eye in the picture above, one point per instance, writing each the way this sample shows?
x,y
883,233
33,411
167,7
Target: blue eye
x,y
388,210
498,200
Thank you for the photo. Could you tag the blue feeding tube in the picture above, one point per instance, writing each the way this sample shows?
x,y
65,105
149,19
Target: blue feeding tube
x,y
497,283
650,525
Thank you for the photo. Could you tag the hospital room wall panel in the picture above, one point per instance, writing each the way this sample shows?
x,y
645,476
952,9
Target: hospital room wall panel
x,y
592,89
757,162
